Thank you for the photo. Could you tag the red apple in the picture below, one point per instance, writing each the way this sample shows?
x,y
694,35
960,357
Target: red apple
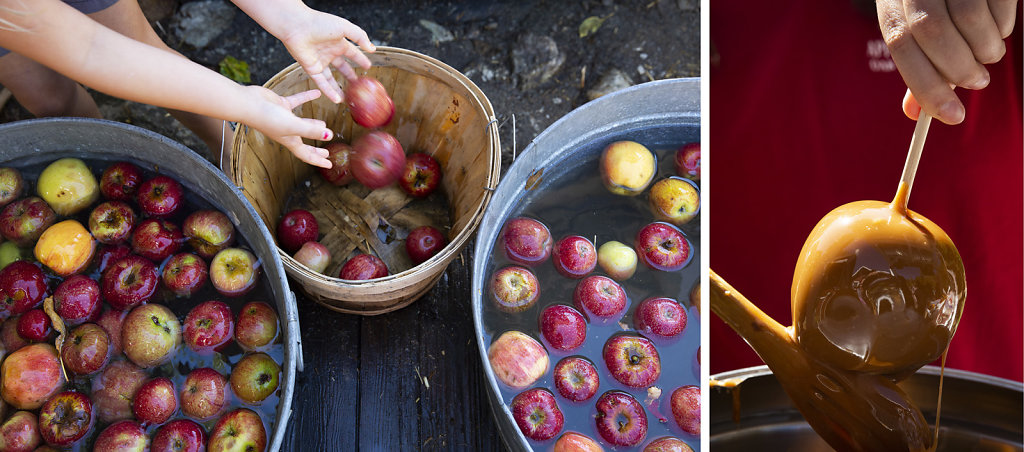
x,y
423,243
575,442
24,220
34,325
160,196
22,287
576,378
114,390
621,420
65,418
688,161
685,403
111,321
662,247
575,256
9,336
632,360
202,395
239,430
150,335
363,267
297,227
668,444
255,378
77,300
600,298
86,349
563,327
234,272
537,414
514,289
340,172
184,274
526,241
129,282
369,103
208,232
122,436
421,176
181,435
256,326
208,326
30,376
120,181
108,254
12,185
660,316
111,222
378,159
155,402
517,359
156,239
20,433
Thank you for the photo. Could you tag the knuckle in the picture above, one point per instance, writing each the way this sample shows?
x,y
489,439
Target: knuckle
x,y
926,26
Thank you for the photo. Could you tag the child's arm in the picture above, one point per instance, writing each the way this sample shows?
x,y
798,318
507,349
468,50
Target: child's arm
x,y
315,39
67,41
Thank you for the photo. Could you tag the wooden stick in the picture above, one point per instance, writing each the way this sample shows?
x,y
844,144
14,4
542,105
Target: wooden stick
x,y
914,155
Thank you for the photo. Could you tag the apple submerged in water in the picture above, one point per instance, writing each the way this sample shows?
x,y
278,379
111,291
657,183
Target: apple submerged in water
x,y
22,287
202,395
255,377
181,435
111,222
120,181
208,326
208,232
234,272
123,436
114,390
68,186
662,247
86,349
632,360
12,185
537,414
685,403
30,376
155,402
627,168
660,316
514,289
241,429
129,282
65,418
517,359
526,241
66,248
156,239
160,196
256,326
688,161
20,432
150,335
77,300
575,257
621,420
575,442
24,220
184,274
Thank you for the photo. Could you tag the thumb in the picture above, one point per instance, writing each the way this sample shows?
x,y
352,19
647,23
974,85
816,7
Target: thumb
x,y
910,106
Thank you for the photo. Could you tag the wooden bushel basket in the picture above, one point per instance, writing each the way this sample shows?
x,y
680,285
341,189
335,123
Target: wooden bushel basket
x,y
437,111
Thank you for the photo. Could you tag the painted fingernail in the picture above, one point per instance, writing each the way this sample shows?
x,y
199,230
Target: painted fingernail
x,y
327,135
952,112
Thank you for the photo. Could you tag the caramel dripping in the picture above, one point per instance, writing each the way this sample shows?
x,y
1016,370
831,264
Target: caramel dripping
x,y
850,411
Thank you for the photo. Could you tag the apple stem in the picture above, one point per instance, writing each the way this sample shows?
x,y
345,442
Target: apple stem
x,y
913,158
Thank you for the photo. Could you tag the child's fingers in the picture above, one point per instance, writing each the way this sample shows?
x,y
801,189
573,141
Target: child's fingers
x,y
346,69
328,85
361,39
300,98
312,155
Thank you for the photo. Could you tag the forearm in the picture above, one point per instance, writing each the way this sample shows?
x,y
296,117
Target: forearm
x,y
69,42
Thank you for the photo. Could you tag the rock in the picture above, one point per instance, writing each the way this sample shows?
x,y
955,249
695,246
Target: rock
x,y
437,32
689,5
535,59
612,81
199,23
157,10
484,73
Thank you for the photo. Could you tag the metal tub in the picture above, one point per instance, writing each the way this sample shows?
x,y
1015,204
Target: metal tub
x,y
45,140
979,412
661,111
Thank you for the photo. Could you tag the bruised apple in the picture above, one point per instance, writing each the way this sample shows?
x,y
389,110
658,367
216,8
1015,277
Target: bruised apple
x,y
30,376
68,186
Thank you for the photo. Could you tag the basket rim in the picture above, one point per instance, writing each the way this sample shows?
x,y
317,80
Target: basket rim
x,y
442,259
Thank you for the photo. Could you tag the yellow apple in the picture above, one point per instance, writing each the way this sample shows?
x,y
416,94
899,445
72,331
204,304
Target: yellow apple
x,y
68,186
627,167
66,247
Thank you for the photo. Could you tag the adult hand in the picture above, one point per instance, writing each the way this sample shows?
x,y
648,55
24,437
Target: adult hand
x,y
272,115
938,45
324,40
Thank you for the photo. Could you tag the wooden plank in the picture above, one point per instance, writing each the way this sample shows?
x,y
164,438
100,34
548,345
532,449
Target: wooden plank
x,y
326,403
454,412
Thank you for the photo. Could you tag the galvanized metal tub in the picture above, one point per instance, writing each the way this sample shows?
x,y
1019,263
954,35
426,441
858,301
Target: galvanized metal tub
x,y
979,412
661,111
44,140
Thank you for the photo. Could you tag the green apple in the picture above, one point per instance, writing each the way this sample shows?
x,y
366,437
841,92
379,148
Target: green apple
x,y
9,252
68,186
617,260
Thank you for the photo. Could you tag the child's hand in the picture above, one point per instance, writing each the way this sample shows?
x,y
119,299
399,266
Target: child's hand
x,y
273,117
324,40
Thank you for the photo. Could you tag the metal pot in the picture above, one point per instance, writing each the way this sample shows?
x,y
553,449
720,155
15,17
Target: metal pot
x,y
664,111
979,412
44,140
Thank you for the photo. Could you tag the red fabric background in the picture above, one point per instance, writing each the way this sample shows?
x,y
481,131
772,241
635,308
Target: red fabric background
x,y
800,124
